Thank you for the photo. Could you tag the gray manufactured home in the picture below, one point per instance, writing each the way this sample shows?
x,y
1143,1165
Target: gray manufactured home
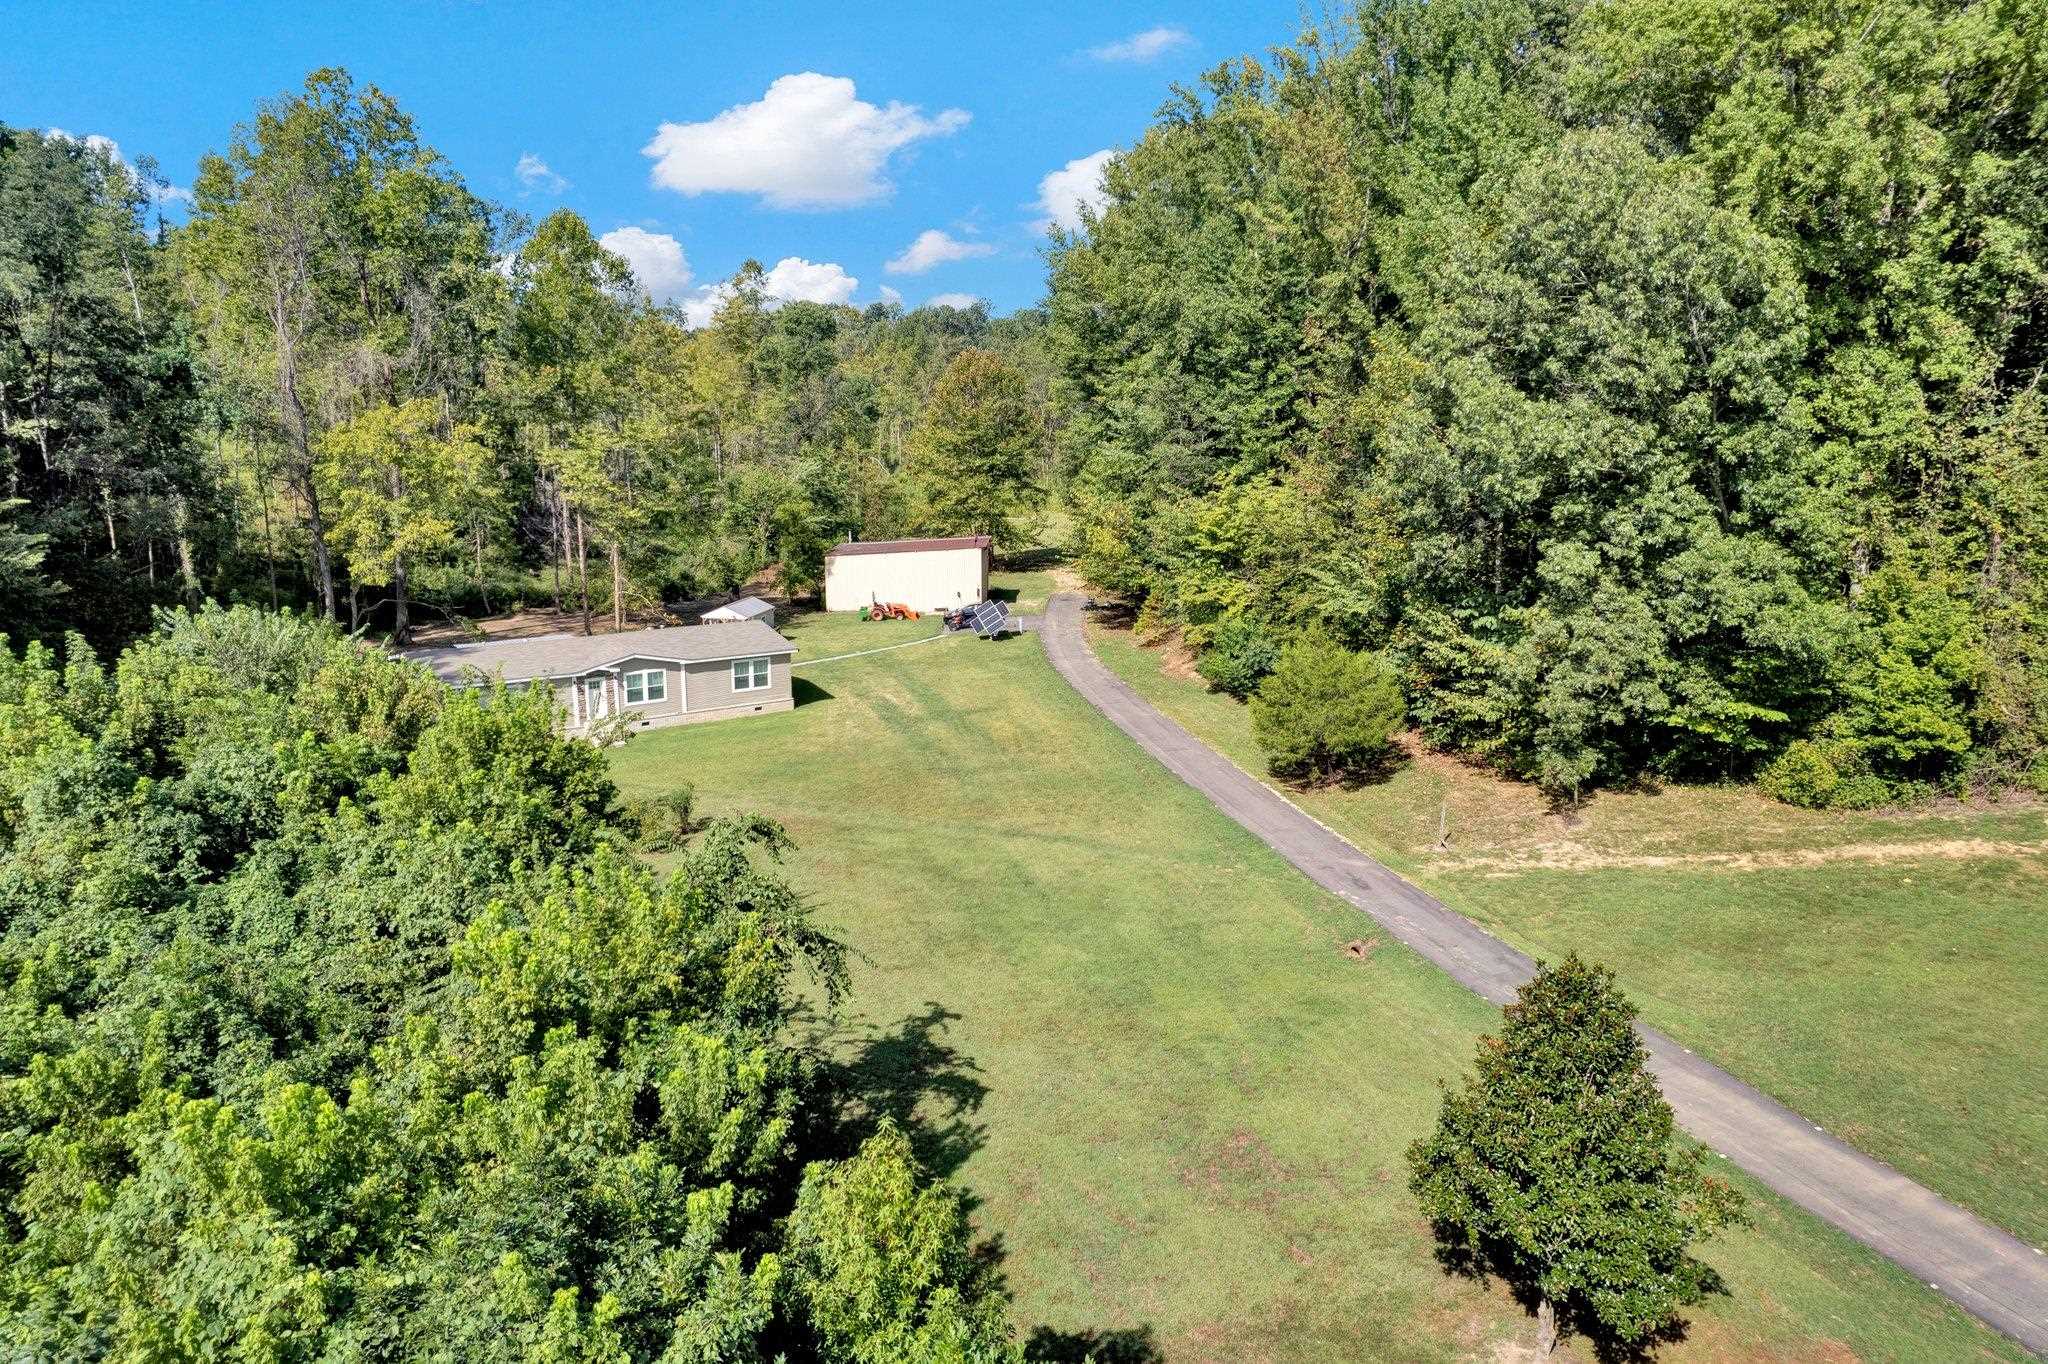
x,y
672,676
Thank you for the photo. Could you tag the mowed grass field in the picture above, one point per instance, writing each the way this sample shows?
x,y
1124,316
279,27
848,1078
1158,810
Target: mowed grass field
x,y
1881,973
1134,1035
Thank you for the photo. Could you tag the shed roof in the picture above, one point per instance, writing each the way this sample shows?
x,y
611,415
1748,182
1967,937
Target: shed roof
x,y
519,660
746,608
908,546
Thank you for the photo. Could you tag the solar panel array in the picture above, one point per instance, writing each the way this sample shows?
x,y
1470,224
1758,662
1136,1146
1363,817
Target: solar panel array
x,y
990,618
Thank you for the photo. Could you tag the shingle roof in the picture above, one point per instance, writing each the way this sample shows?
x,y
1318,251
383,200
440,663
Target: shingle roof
x,y
745,607
908,546
517,660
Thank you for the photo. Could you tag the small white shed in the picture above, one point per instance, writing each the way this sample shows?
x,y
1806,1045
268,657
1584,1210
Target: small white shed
x,y
746,608
925,575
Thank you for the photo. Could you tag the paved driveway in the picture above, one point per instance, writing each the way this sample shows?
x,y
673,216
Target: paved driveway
x,y
1988,1272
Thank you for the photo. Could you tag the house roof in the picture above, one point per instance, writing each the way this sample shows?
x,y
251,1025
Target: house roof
x,y
746,608
519,660
908,546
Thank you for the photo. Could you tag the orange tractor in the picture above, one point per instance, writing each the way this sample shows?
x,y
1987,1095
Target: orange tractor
x,y
888,610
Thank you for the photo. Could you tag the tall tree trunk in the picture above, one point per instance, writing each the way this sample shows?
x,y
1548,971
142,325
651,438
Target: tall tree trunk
x,y
583,570
557,532
1546,1326
296,426
401,621
188,575
618,590
269,548
483,585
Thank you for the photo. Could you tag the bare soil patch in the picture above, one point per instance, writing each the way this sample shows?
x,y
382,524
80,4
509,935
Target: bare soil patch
x,y
1566,856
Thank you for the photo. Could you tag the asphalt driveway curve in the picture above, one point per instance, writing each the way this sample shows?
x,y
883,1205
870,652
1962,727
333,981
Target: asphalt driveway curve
x,y
1988,1272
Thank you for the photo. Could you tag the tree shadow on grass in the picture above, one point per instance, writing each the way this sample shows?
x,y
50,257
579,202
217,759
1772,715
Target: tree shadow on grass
x,y
1383,767
1487,1264
910,1073
805,692
1112,613
1125,1345
1031,560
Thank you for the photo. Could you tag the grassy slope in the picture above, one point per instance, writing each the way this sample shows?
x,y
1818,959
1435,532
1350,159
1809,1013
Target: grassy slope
x,y
1897,1000
1131,1032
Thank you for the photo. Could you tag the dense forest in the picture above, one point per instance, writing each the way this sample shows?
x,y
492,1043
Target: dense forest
x,y
342,1021
347,382
1658,384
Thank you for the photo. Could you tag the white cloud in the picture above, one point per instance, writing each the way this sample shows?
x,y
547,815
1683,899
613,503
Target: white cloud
x,y
703,303
659,266
160,194
892,295
790,280
1062,193
1143,47
807,143
962,301
536,175
934,247
794,279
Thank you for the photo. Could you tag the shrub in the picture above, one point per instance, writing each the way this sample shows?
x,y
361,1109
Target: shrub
x,y
1325,709
662,823
1241,656
1830,775
1802,775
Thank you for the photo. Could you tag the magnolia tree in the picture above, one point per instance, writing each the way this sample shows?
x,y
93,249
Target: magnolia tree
x,y
1554,1167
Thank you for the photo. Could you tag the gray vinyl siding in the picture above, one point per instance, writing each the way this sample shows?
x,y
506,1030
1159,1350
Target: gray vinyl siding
x,y
671,704
711,685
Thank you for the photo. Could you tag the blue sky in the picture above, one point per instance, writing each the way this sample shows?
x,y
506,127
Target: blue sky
x,y
828,140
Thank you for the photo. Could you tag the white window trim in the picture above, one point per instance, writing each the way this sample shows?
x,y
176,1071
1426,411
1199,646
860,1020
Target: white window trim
x,y
767,673
647,697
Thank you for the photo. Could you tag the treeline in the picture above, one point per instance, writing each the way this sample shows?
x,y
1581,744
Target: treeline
x,y
346,381
1657,384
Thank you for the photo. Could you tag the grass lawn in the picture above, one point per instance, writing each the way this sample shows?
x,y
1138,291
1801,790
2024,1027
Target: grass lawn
x,y
1882,973
1132,1033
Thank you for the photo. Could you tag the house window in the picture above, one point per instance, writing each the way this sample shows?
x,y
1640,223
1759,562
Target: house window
x,y
749,674
643,688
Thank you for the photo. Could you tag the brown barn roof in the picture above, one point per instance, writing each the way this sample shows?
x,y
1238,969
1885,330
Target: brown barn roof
x,y
908,546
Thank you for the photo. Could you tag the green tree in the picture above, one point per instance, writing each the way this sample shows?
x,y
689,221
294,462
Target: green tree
x,y
98,398
1555,1166
1325,709
1239,657
885,1264
354,980
569,355
975,452
400,487
332,256
1911,693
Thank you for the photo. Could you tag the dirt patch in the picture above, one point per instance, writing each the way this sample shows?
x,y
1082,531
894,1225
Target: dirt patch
x,y
1176,659
1577,857
1359,949
1241,1171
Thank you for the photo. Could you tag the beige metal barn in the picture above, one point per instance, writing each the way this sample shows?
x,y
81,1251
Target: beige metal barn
x,y
925,575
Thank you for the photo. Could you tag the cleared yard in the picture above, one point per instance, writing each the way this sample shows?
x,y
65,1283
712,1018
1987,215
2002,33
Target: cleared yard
x,y
1881,973
1138,1040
